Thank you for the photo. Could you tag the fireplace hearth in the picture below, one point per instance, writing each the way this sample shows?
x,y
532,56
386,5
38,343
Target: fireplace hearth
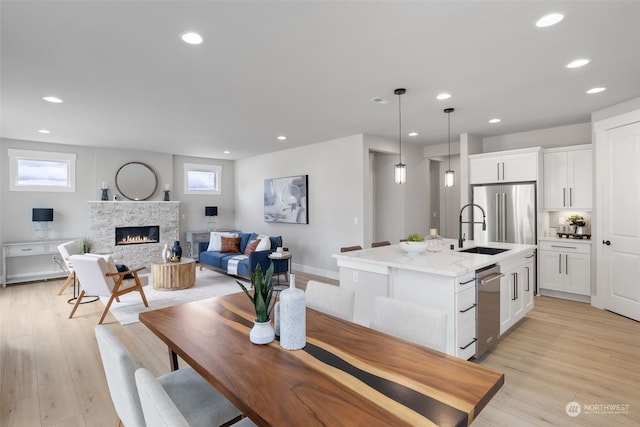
x,y
137,235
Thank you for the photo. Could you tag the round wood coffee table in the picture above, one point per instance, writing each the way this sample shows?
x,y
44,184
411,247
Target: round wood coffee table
x,y
171,276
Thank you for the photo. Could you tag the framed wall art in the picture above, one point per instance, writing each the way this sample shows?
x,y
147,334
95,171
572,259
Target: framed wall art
x,y
286,199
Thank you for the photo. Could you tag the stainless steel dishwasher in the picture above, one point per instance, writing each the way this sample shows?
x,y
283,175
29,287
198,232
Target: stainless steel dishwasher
x,y
488,326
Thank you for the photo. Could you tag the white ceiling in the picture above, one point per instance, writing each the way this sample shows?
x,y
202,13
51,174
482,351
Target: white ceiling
x,y
304,69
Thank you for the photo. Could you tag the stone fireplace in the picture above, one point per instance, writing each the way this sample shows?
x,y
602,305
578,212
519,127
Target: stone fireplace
x,y
133,232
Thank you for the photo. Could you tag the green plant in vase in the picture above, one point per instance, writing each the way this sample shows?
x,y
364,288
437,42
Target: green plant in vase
x,y
415,237
576,220
263,292
85,245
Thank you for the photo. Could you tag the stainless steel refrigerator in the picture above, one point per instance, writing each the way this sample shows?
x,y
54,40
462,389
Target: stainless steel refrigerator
x,y
510,210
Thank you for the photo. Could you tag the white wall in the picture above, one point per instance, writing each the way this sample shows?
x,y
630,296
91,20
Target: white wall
x,y
336,198
547,138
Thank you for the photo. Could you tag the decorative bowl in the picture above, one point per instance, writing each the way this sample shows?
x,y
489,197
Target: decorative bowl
x,y
413,248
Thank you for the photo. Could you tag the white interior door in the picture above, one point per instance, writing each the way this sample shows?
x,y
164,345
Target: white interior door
x,y
618,175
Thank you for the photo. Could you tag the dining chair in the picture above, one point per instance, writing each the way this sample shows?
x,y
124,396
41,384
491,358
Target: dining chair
x,y
416,323
66,250
330,299
161,410
196,398
350,248
378,244
99,276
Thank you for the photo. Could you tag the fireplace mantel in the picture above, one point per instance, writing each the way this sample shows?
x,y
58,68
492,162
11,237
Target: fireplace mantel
x,y
105,216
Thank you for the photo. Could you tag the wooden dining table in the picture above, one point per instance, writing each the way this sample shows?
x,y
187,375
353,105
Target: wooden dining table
x,y
346,375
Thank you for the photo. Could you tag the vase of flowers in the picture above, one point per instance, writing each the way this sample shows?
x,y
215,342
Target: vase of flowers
x,y
262,331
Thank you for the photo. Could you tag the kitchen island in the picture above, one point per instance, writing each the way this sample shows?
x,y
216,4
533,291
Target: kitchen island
x,y
443,280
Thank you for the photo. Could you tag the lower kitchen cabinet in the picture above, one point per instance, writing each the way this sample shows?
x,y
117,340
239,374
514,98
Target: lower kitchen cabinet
x,y
565,268
516,289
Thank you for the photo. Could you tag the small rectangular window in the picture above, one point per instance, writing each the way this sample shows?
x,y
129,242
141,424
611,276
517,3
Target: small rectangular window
x,y
202,179
42,171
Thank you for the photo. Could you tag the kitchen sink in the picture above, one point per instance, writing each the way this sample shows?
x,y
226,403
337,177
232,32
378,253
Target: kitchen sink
x,y
483,250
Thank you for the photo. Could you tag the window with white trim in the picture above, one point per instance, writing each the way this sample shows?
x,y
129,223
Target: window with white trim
x,y
202,179
41,171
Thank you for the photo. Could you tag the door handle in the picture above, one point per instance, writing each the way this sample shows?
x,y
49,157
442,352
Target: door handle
x,y
570,196
528,279
606,242
498,225
566,264
515,281
498,170
559,263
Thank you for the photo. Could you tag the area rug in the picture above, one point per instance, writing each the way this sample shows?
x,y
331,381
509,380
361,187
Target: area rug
x,y
208,284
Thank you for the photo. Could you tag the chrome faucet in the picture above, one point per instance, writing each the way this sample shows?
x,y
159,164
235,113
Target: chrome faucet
x,y
484,222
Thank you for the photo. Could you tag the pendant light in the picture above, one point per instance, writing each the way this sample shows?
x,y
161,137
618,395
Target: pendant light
x,y
400,170
449,175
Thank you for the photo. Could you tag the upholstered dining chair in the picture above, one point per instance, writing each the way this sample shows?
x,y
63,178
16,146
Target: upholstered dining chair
x,y
350,248
66,250
412,322
160,408
378,244
330,299
99,276
197,400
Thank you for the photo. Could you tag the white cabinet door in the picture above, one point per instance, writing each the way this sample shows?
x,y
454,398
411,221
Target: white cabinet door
x,y
567,179
519,167
517,294
579,179
551,276
577,273
506,286
529,284
555,180
484,170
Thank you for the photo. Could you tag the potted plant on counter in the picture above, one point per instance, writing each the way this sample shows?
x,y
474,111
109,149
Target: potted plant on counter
x,y
414,244
262,331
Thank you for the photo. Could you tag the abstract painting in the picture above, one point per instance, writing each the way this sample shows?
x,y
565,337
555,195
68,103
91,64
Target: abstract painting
x,y
285,199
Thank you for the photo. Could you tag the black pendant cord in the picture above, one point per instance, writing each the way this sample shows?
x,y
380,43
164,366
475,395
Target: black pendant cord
x,y
449,127
400,126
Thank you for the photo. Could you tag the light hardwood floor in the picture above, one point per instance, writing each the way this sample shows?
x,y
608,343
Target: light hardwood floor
x,y
51,374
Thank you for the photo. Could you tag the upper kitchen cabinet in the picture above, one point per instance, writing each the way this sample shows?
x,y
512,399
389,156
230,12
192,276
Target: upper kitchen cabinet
x,y
567,178
504,166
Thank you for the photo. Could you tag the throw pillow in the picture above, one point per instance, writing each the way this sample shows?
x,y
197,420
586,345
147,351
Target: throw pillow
x,y
215,243
230,245
251,246
265,243
121,268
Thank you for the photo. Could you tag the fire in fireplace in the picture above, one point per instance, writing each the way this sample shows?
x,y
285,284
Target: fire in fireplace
x,y
137,235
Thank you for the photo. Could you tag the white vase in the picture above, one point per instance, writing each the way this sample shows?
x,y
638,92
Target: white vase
x,y
276,318
166,253
261,333
293,324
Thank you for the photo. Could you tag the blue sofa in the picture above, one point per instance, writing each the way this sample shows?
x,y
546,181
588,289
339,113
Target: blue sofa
x,y
219,261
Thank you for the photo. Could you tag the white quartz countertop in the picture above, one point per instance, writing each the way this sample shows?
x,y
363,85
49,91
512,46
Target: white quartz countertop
x,y
445,263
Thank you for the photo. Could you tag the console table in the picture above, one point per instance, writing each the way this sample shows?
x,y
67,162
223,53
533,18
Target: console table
x,y
27,261
192,240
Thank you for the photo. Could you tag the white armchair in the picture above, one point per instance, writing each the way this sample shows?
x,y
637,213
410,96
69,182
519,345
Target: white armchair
x,y
99,276
66,250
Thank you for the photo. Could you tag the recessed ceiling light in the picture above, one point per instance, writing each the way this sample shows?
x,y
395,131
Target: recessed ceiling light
x,y
443,96
578,63
227,152
413,134
550,19
282,137
53,99
191,37
596,90
379,100
496,120
44,131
